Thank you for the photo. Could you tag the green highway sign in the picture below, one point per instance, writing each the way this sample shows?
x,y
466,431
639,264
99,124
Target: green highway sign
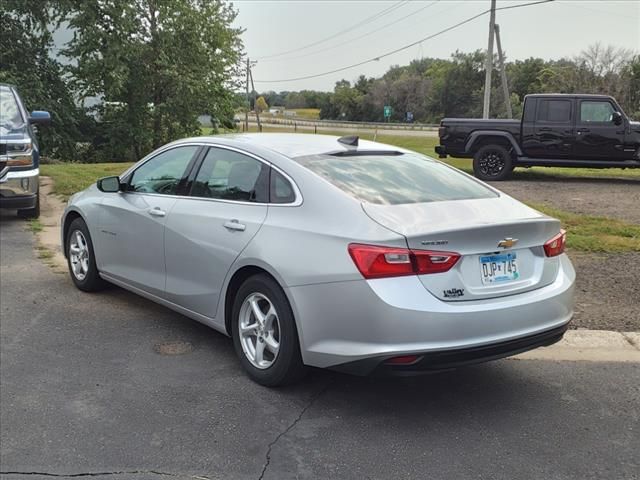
x,y
387,111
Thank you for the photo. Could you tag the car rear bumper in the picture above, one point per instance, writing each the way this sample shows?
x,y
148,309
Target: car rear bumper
x,y
441,150
19,189
447,359
346,322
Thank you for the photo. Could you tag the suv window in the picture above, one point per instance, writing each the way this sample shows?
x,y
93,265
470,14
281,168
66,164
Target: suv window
x,y
10,115
594,111
229,175
280,189
163,173
554,111
395,179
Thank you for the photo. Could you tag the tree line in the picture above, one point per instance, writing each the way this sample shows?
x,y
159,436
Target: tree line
x,y
432,88
134,75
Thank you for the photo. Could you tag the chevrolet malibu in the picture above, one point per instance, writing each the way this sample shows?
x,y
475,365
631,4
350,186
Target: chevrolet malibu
x,y
311,250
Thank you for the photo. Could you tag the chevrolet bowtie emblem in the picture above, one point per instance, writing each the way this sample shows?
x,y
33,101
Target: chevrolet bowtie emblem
x,y
507,242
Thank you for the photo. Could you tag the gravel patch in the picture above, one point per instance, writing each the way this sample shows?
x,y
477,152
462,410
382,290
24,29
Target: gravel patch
x,y
607,291
603,197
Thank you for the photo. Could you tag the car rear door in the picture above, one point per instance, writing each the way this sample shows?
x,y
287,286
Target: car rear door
x,y
553,130
597,136
208,229
130,238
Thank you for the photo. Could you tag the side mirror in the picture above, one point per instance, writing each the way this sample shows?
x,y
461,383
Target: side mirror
x,y
616,118
38,117
109,184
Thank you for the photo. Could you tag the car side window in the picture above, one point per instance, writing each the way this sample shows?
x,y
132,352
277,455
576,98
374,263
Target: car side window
x,y
164,172
596,112
230,175
554,111
280,189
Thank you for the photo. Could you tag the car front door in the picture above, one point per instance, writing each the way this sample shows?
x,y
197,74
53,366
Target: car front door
x,y
130,240
207,230
597,136
553,131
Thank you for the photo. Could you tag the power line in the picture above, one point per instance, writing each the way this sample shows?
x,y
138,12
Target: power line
x,y
375,59
371,32
370,19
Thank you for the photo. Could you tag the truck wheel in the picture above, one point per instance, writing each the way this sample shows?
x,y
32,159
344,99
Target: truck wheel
x,y
492,162
33,212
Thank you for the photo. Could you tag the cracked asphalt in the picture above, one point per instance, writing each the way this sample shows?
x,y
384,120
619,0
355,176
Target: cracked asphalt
x,y
83,392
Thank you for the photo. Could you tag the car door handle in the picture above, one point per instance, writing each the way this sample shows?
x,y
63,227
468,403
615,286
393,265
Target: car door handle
x,y
235,225
157,212
583,130
544,129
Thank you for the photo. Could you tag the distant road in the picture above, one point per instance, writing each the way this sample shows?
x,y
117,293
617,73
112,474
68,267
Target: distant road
x,y
309,125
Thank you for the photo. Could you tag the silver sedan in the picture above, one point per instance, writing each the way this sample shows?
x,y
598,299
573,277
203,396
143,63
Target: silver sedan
x,y
311,250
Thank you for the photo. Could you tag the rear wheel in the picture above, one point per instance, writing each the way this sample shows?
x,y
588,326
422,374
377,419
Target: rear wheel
x,y
264,333
492,162
81,258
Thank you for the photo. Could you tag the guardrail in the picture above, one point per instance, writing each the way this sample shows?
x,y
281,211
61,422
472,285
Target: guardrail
x,y
305,122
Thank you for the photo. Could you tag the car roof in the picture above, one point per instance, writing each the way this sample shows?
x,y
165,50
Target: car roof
x,y
568,95
294,145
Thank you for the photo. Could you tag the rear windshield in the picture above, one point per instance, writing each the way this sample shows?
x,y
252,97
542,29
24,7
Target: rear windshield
x,y
395,179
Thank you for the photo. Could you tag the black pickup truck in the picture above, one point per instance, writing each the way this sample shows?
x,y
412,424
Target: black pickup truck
x,y
556,130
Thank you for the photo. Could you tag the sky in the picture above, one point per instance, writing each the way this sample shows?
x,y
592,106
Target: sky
x,y
343,33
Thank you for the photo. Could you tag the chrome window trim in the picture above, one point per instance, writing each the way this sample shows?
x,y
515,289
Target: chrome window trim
x,y
298,195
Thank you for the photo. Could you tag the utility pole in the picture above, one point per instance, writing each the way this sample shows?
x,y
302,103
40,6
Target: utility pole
x,y
489,65
246,113
253,89
503,74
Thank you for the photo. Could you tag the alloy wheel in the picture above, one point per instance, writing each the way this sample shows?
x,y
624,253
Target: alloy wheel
x,y
79,255
492,163
259,329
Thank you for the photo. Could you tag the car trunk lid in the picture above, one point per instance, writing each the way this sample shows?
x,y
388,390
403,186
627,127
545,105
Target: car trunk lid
x,y
500,241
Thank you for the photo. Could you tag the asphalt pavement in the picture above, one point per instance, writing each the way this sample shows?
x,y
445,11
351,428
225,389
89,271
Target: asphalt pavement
x,y
111,385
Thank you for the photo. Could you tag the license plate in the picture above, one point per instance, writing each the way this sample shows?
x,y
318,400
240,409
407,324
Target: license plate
x,y
500,268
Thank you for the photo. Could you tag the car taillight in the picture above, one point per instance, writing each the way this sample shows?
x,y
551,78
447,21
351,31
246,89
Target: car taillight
x,y
555,246
379,262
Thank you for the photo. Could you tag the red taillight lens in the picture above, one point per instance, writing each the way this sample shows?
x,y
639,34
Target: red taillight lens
x,y
555,246
379,262
403,360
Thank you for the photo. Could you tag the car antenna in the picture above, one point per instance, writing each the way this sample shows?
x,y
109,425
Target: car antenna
x,y
351,140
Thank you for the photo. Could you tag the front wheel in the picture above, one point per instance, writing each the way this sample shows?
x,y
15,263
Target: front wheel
x,y
81,258
492,163
264,333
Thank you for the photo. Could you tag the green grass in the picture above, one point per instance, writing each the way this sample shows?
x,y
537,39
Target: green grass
x,y
306,113
70,178
35,225
595,234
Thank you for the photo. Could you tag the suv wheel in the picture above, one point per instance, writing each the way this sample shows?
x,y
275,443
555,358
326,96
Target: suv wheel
x,y
81,259
492,162
264,333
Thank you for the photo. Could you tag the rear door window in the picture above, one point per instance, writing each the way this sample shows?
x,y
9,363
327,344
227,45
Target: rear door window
x,y
554,111
395,179
230,175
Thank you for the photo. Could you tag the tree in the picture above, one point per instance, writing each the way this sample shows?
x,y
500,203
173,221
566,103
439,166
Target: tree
x,y
26,62
261,105
160,62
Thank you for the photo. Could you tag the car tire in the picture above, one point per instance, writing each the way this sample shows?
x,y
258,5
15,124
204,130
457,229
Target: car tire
x,y
277,326
81,258
33,212
492,163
